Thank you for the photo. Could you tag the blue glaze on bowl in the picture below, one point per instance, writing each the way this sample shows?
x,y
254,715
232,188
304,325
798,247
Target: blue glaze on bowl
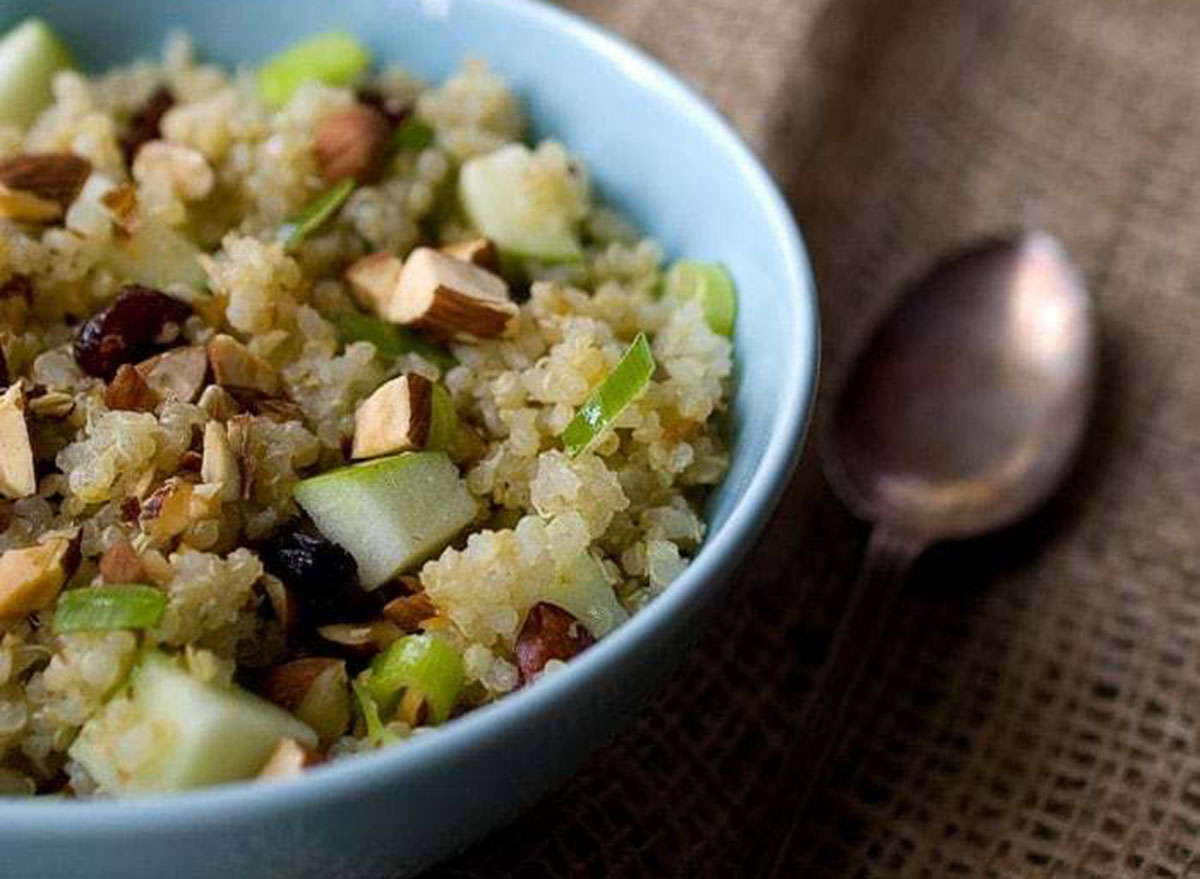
x,y
664,157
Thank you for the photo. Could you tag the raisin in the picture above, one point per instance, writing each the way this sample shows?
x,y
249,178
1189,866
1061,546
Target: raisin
x,y
140,323
322,575
549,633
146,123
17,286
393,109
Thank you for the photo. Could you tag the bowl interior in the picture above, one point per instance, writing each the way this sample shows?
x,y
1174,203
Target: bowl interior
x,y
654,150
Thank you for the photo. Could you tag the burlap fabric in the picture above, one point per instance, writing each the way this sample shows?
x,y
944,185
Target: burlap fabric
x,y
1035,711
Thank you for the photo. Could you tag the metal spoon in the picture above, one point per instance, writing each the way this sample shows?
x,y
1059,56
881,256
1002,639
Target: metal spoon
x,y
960,415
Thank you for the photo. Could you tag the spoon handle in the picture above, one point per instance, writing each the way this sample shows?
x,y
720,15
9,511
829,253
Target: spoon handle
x,y
888,558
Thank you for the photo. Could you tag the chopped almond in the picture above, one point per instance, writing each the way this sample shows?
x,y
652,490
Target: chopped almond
x,y
365,639
129,391
316,690
21,207
31,578
234,365
450,298
478,251
175,505
289,759
409,611
52,404
121,564
352,143
55,177
374,279
122,203
220,465
17,476
218,402
173,168
177,373
395,418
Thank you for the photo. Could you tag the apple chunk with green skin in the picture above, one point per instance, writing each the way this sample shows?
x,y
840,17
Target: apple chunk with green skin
x,y
198,733
516,204
30,55
391,513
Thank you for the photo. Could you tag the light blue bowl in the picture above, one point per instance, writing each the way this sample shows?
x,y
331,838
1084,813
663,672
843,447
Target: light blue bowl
x,y
663,156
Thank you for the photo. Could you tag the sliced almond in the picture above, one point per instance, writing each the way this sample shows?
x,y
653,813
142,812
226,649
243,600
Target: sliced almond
x,y
129,391
373,280
409,611
395,418
289,759
173,168
31,578
21,207
121,564
178,373
478,251
352,143
283,603
18,478
220,465
234,365
450,298
55,177
316,690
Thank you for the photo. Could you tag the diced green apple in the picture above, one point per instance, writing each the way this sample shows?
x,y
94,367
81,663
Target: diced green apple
x,y
191,733
514,203
391,513
158,256
710,285
334,58
30,55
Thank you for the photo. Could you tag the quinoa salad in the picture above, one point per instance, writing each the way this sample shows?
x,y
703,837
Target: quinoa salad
x,y
333,405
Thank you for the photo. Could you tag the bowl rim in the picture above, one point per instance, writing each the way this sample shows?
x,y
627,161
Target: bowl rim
x,y
28,817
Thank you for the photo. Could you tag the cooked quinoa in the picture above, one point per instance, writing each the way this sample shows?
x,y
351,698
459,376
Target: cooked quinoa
x,y
196,497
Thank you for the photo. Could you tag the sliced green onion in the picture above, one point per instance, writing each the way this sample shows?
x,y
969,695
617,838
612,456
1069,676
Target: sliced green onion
x,y
443,421
711,285
420,663
390,341
314,214
377,733
620,388
334,58
127,606
413,134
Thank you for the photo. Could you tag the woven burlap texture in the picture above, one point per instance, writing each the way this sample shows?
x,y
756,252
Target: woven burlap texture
x,y
1034,711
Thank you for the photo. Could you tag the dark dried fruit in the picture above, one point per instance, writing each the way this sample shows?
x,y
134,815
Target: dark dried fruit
x,y
55,177
322,575
140,323
393,109
549,633
146,123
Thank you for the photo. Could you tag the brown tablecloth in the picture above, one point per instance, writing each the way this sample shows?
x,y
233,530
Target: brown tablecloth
x,y
1035,711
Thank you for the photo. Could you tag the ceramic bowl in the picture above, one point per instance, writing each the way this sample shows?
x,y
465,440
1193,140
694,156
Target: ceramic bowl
x,y
669,161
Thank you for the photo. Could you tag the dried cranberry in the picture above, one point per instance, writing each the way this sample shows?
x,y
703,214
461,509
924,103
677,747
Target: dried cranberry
x,y
393,109
549,633
140,323
322,575
146,123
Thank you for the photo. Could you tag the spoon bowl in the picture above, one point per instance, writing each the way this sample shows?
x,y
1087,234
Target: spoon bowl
x,y
960,415
967,404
